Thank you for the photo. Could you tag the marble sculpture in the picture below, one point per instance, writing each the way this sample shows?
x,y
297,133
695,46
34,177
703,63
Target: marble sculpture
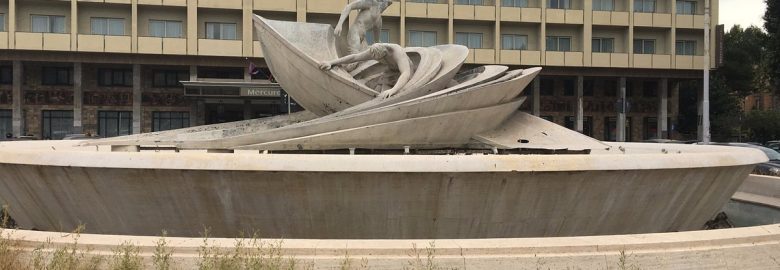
x,y
382,96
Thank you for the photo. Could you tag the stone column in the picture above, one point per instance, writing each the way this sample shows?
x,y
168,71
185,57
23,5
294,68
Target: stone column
x,y
621,119
675,107
300,14
192,27
663,109
699,108
198,110
78,100
580,118
537,99
137,99
133,26
16,117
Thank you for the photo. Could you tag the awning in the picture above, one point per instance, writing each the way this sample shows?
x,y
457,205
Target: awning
x,y
232,88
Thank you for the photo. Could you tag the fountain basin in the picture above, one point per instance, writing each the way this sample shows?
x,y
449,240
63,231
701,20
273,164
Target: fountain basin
x,y
628,188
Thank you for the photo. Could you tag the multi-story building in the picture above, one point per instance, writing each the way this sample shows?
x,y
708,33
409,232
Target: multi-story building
x,y
113,67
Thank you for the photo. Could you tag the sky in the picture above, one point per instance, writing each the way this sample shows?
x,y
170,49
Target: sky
x,y
742,12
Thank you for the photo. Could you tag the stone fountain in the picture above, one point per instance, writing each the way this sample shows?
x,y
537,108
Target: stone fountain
x,y
395,143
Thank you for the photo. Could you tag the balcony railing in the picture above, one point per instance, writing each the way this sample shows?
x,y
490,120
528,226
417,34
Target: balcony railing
x,y
102,43
42,41
158,45
218,47
520,57
569,16
475,12
427,10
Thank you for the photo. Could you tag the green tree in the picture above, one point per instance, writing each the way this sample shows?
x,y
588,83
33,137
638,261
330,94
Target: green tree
x,y
740,76
772,26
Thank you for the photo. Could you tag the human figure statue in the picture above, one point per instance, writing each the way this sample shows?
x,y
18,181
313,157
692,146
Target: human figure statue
x,y
391,55
369,18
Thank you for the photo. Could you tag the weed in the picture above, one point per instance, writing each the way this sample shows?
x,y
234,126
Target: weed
x,y
126,257
162,254
623,263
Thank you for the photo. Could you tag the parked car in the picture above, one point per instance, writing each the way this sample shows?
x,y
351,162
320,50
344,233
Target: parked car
x,y
774,145
768,168
78,137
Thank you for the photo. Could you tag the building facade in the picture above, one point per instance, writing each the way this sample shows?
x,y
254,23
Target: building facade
x,y
115,67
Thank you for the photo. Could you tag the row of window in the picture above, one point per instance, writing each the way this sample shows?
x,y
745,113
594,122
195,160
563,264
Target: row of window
x,y
105,76
116,27
649,127
220,30
650,6
58,124
553,43
610,87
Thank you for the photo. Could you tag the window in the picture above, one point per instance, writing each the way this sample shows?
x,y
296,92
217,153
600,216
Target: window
x,y
650,89
471,40
647,6
610,129
686,7
47,24
514,42
56,124
604,5
220,72
162,121
221,31
422,38
161,28
650,127
610,88
425,1
108,26
644,46
559,4
115,77
568,88
587,124
469,2
6,75
57,76
2,22
384,37
559,44
588,88
546,87
169,78
114,123
514,3
685,47
6,126
604,45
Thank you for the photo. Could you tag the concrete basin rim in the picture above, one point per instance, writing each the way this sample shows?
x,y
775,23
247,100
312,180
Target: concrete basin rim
x,y
45,153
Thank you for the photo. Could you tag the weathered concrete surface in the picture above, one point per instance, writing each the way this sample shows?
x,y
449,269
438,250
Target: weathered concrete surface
x,y
654,188
742,248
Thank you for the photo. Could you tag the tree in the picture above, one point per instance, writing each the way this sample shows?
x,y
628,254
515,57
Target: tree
x,y
739,76
743,52
772,26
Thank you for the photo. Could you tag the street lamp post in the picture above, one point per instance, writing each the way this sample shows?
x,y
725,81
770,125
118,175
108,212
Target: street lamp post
x,y
705,114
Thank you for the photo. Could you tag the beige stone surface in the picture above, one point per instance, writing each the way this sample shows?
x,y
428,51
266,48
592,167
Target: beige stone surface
x,y
743,248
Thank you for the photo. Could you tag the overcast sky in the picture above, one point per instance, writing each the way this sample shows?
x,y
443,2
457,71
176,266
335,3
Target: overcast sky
x,y
742,12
